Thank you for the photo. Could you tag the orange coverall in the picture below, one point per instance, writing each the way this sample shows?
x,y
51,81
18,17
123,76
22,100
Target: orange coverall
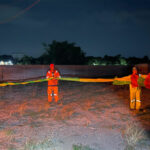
x,y
135,92
52,89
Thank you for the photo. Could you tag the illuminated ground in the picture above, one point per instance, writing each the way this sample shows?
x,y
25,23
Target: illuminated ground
x,y
91,114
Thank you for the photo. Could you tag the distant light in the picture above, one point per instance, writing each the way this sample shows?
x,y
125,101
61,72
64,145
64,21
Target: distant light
x,y
9,62
6,62
94,64
2,63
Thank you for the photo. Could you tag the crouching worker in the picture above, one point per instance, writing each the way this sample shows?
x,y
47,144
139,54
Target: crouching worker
x,y
52,89
135,91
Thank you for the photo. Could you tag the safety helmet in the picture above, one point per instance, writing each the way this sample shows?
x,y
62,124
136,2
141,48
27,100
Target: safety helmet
x,y
51,66
134,68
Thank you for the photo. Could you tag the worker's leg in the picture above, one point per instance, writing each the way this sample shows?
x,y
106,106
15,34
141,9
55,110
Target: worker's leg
x,y
132,97
56,93
138,98
49,93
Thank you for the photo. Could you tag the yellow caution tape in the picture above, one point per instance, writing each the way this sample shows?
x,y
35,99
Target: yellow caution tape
x,y
116,81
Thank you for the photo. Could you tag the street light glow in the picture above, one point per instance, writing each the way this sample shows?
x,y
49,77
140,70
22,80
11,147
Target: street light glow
x,y
9,62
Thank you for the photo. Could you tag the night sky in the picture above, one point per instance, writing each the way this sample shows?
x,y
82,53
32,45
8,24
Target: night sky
x,y
99,27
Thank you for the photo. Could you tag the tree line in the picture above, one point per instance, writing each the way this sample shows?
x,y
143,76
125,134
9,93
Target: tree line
x,y
65,53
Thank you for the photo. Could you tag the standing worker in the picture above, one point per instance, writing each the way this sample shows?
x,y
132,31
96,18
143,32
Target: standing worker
x,y
52,89
135,91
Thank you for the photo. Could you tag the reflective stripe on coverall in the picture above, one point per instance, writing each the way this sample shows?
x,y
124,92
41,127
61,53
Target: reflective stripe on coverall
x,y
52,91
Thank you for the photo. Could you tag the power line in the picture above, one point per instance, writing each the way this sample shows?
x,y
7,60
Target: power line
x,y
20,13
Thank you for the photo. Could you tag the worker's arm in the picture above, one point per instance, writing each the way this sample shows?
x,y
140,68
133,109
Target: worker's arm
x,y
48,75
57,74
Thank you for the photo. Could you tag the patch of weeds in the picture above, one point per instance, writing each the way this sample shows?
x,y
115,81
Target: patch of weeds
x,y
32,114
22,108
116,126
44,115
124,119
11,147
35,124
105,106
81,147
59,118
1,125
113,105
8,136
132,135
129,147
75,114
92,109
15,114
64,114
19,111
114,118
62,118
115,112
144,144
9,132
100,108
41,145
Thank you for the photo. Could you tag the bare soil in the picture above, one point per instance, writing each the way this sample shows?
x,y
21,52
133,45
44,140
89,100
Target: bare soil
x,y
92,114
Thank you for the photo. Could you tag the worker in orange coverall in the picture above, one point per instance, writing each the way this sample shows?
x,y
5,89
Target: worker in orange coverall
x,y
52,89
135,91
147,81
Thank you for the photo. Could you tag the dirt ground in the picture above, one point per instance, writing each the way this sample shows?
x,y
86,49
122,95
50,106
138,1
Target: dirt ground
x,y
95,115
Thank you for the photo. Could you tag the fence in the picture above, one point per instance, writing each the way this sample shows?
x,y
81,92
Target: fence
x,y
29,72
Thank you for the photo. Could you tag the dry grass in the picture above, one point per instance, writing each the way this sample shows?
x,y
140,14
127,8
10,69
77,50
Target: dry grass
x,y
7,138
33,114
132,135
63,113
87,109
45,144
20,109
87,105
81,147
46,106
9,133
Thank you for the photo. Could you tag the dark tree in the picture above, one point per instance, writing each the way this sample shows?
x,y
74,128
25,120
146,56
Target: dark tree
x,y
27,60
145,59
63,53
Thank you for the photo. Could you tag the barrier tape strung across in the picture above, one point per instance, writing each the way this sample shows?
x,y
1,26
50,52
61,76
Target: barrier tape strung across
x,y
37,81
116,81
63,79
126,80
